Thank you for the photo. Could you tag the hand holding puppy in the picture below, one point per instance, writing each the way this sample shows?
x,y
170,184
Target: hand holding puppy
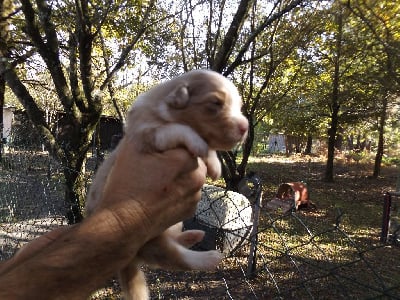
x,y
176,179
73,261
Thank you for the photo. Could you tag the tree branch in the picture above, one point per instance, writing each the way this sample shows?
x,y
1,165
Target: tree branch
x,y
268,21
222,56
49,50
125,52
85,47
110,83
73,73
35,114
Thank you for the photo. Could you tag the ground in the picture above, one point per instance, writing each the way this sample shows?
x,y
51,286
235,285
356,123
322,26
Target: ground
x,y
331,252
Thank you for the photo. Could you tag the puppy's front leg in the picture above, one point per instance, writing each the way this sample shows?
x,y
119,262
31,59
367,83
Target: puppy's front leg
x,y
175,135
133,282
170,253
213,165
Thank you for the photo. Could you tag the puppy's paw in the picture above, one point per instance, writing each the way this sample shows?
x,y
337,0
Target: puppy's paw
x,y
189,238
213,258
214,171
175,135
175,230
197,147
213,164
207,260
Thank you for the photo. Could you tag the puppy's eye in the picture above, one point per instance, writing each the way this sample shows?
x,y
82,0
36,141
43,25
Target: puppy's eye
x,y
217,102
214,106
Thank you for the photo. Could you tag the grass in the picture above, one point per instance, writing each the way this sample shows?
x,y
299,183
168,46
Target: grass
x,y
349,254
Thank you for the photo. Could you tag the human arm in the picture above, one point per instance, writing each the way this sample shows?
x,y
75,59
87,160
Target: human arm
x,y
70,263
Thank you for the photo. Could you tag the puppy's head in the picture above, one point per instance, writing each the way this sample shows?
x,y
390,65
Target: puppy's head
x,y
210,104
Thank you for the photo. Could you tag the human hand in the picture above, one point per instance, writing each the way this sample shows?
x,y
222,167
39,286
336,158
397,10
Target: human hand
x,y
166,185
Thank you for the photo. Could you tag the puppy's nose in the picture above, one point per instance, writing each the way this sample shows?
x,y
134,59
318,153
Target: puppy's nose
x,y
243,126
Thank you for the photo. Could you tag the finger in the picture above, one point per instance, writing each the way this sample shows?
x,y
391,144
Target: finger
x,y
135,173
167,184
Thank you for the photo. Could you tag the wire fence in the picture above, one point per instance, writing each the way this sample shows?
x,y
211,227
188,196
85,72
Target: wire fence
x,y
269,253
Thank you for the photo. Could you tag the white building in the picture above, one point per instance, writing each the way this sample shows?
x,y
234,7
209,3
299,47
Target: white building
x,y
277,143
8,116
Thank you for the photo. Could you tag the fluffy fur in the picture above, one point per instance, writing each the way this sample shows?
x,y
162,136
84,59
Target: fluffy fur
x,y
200,111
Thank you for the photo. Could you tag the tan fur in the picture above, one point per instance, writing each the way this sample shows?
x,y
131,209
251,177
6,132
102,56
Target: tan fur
x,y
199,111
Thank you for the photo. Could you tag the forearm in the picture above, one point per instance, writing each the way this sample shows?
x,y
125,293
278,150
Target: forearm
x,y
80,260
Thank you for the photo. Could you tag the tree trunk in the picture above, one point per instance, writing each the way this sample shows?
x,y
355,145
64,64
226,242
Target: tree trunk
x,y
308,145
231,171
6,7
98,151
76,140
331,152
74,195
380,148
334,106
247,146
389,82
75,186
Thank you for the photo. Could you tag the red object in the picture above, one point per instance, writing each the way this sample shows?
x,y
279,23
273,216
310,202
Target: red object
x,y
296,191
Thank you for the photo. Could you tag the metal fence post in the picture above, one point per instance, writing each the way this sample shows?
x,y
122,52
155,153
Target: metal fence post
x,y
387,204
252,259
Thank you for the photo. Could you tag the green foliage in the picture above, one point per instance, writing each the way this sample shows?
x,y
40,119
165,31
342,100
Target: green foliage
x,y
281,62
10,99
391,161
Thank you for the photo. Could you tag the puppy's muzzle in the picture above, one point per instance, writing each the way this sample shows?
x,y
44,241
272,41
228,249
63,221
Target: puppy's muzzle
x,y
243,128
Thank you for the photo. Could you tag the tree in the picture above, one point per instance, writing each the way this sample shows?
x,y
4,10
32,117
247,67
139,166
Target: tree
x,y
337,63
328,74
382,20
334,104
235,48
63,39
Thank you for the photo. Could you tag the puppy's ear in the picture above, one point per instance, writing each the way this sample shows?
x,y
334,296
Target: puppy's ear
x,y
179,97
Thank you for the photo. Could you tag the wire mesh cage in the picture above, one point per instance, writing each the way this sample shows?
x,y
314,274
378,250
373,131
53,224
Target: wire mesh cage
x,y
225,216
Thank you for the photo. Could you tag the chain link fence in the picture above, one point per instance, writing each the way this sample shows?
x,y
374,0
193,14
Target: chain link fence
x,y
269,254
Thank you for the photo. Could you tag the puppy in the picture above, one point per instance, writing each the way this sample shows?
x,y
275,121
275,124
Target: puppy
x,y
200,111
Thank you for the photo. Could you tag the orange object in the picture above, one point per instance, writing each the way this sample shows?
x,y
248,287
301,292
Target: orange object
x,y
297,191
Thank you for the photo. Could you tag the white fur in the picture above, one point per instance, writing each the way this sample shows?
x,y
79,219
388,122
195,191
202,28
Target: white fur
x,y
172,135
206,260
